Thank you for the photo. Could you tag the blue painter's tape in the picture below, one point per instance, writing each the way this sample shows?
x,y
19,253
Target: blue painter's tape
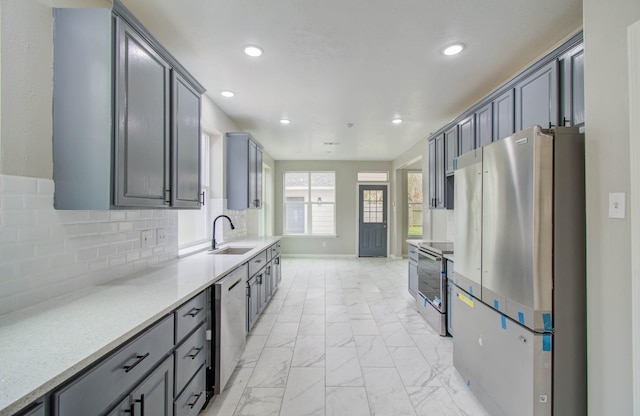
x,y
425,302
546,342
546,320
468,383
521,317
471,290
496,304
504,321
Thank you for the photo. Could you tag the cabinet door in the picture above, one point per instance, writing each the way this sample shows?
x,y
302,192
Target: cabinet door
x,y
252,303
503,116
467,135
262,290
185,145
258,203
451,151
484,125
154,396
432,173
142,133
124,408
537,98
253,157
36,409
440,174
572,87
413,278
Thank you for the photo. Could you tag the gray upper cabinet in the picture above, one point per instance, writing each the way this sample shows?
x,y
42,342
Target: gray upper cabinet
x,y
537,98
484,125
432,173
503,115
440,173
142,137
571,67
467,132
244,172
451,146
185,142
126,116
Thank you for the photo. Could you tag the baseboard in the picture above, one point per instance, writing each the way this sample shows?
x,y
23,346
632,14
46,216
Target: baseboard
x,y
320,256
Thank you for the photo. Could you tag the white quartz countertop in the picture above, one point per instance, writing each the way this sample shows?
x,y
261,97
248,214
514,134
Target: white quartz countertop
x,y
47,344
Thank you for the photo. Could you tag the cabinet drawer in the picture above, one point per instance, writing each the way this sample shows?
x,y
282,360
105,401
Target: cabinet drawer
x,y
98,387
274,250
189,358
189,315
192,398
257,263
413,252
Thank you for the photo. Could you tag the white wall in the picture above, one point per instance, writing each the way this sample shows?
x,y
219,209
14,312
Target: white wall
x,y
346,206
608,240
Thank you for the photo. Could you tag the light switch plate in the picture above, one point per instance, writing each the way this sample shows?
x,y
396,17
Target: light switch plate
x,y
145,238
617,205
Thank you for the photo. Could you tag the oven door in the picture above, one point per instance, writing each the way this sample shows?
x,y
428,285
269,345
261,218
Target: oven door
x,y
430,279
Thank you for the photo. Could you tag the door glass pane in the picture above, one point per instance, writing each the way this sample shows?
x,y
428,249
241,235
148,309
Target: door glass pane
x,y
373,207
414,202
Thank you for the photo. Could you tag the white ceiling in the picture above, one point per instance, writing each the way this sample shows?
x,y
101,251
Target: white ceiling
x,y
328,63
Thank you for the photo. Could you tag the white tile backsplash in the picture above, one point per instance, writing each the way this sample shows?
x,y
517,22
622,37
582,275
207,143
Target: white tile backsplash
x,y
45,253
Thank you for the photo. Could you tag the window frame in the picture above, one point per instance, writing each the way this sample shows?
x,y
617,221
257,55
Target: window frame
x,y
409,204
308,208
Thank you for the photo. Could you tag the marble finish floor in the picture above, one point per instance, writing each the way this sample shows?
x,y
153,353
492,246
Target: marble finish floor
x,y
342,337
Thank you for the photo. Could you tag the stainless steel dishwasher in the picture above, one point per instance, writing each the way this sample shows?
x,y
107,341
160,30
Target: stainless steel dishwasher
x,y
230,294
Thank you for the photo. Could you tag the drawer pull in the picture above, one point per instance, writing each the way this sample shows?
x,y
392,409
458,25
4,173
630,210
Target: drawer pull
x,y
258,261
139,358
194,355
131,409
191,405
193,312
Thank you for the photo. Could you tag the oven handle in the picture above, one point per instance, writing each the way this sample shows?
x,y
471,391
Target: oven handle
x,y
429,256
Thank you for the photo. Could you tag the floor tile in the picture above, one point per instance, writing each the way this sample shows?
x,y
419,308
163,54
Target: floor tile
x,y
395,335
386,394
364,327
305,393
290,313
260,401
343,401
429,401
372,351
436,349
283,335
339,334
272,369
414,370
252,351
462,396
227,401
312,325
309,351
343,368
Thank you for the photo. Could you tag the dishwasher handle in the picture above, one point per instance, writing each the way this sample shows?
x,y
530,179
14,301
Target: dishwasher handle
x,y
235,284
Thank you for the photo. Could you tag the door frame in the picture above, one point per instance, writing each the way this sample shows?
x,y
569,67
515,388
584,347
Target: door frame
x,y
358,184
634,202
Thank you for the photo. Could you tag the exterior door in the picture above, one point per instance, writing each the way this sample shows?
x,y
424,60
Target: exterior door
x,y
373,220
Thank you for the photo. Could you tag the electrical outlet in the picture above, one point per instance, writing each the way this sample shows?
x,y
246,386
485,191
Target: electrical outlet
x,y
162,235
617,205
145,238
324,244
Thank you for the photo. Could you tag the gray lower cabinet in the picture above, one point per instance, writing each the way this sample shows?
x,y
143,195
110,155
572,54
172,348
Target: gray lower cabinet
x,y
484,125
96,389
413,270
504,115
126,115
154,396
190,402
536,98
244,171
253,300
264,279
36,409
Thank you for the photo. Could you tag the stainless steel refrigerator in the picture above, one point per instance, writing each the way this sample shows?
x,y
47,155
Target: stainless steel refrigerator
x,y
520,299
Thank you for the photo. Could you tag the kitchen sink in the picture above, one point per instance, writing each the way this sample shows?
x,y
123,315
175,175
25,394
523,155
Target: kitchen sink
x,y
232,250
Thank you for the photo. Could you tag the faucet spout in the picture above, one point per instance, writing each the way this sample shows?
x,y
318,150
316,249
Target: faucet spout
x,y
213,235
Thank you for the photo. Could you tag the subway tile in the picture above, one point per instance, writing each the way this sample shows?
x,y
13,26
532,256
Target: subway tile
x,y
16,252
8,235
19,185
87,254
45,186
99,215
44,202
12,202
18,218
117,215
32,234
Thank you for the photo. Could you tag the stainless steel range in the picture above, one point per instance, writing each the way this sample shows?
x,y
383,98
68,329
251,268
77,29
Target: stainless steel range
x,y
432,284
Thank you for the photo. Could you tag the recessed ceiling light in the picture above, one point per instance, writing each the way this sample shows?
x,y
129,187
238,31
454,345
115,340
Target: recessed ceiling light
x,y
396,120
285,121
454,49
253,50
227,94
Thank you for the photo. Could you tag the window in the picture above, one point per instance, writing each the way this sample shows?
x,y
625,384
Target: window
x,y
194,224
310,203
373,176
414,202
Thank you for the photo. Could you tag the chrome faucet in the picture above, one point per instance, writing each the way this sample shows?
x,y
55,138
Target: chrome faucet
x,y
213,237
